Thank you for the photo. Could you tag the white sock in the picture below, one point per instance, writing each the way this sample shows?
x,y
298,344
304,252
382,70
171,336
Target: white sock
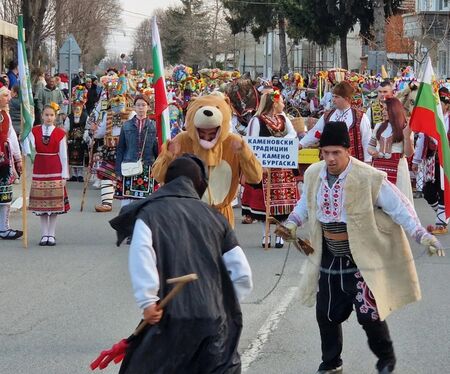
x,y
44,225
107,192
4,217
52,224
440,216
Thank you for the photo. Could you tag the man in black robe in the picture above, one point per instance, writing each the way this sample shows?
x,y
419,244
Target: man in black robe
x,y
174,234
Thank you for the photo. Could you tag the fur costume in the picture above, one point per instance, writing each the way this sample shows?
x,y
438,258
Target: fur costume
x,y
224,164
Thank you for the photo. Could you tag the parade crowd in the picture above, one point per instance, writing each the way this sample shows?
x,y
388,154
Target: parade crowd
x,y
358,195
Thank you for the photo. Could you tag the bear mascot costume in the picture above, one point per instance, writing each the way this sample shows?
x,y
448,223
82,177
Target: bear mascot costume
x,y
226,155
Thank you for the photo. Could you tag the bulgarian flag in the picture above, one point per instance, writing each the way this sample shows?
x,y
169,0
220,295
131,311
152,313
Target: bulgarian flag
x,y
25,93
427,117
159,85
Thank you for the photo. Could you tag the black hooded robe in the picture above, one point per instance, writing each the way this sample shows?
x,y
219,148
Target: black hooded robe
x,y
200,328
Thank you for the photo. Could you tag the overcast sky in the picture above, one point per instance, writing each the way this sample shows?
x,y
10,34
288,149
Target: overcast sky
x,y
134,12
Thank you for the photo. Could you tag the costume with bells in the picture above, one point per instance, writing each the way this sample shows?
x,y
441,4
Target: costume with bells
x,y
362,259
200,328
9,157
224,163
109,129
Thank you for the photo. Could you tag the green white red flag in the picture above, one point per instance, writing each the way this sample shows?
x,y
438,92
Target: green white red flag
x,y
159,85
25,93
427,117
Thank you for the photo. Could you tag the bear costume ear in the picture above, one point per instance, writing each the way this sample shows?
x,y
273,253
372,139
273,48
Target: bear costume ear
x,y
227,99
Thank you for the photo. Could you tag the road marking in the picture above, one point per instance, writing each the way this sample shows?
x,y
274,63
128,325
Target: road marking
x,y
269,326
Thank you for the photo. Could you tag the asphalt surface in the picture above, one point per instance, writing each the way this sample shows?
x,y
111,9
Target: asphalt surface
x,y
60,306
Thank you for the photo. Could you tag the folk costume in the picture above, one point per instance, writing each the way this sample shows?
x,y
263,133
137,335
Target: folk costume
x,y
201,326
362,259
392,161
225,166
137,137
75,125
357,122
48,194
284,193
426,155
9,156
375,113
109,129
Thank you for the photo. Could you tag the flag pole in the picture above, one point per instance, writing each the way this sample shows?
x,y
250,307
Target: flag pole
x,y
23,180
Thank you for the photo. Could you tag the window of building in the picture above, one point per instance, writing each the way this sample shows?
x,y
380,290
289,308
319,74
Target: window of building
x,y
443,5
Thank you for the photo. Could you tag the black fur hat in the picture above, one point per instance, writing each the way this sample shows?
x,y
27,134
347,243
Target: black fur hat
x,y
335,133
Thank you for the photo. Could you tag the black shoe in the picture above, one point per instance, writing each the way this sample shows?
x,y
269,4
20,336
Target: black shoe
x,y
337,370
44,241
386,370
10,234
279,242
72,179
51,242
80,179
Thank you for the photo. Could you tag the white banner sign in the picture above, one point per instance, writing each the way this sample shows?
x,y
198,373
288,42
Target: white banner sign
x,y
276,153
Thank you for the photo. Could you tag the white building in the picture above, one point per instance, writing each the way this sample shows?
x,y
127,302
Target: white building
x,y
429,27
263,58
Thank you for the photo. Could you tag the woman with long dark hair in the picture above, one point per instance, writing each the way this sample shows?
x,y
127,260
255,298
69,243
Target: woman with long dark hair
x,y
391,143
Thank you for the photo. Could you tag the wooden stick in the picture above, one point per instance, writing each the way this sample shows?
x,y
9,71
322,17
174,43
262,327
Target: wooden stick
x,y
266,231
179,284
87,176
23,178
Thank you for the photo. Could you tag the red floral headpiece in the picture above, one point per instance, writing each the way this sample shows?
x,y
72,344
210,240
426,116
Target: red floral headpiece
x,y
275,96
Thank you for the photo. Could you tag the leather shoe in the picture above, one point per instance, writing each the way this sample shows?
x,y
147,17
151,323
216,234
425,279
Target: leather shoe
x,y
386,370
44,241
51,242
101,208
11,234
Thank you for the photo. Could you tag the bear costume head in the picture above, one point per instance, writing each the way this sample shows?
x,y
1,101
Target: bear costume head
x,y
208,125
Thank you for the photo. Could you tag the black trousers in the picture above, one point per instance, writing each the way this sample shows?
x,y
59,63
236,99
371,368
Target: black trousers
x,y
342,289
432,191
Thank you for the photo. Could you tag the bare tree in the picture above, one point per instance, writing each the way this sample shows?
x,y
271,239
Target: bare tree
x,y
90,22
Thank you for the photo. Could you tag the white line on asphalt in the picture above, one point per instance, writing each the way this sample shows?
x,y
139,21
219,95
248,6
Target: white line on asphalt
x,y
269,326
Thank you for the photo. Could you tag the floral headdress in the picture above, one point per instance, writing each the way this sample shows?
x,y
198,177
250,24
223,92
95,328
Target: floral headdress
x,y
275,96
54,106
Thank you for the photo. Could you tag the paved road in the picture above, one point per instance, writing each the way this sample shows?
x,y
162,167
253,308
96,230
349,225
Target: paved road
x,y
59,306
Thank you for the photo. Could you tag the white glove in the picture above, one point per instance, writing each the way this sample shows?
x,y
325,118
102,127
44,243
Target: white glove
x,y
434,245
292,227
86,137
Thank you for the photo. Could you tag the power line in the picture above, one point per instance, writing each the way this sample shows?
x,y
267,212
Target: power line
x,y
137,13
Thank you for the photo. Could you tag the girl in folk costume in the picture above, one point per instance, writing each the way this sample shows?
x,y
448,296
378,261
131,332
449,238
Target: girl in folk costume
x,y
48,195
74,125
137,141
391,143
9,159
426,153
270,120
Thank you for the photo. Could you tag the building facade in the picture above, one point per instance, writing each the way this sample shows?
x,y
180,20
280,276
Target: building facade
x,y
429,27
